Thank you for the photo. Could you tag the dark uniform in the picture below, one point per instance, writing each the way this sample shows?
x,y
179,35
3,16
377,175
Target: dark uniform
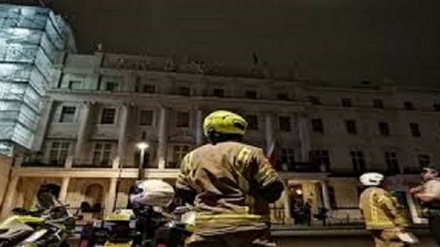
x,y
231,185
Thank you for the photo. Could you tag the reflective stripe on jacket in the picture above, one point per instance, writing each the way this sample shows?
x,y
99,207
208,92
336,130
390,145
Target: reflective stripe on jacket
x,y
380,210
228,180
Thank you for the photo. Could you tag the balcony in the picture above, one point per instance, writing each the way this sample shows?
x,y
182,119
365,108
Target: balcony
x,y
88,163
35,162
306,167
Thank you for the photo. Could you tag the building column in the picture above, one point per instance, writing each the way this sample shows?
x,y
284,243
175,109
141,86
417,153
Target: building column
x,y
269,131
122,140
82,137
325,196
199,128
111,195
43,124
8,203
286,202
64,188
304,136
163,136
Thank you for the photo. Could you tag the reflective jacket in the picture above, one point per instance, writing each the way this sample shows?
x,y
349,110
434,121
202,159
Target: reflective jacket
x,y
381,210
231,185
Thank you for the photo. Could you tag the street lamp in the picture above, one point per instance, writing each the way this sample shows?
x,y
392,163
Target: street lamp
x,y
142,146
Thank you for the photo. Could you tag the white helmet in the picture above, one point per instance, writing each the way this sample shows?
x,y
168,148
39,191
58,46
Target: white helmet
x,y
371,178
152,192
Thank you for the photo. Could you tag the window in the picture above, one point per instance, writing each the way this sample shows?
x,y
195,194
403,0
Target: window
x,y
182,119
321,159
149,89
287,156
108,116
346,102
184,91
392,162
351,127
218,92
252,122
284,124
415,131
58,153
314,100
74,84
332,197
251,94
146,117
283,96
317,126
179,152
67,114
358,161
384,129
111,86
377,103
408,105
424,160
101,154
436,107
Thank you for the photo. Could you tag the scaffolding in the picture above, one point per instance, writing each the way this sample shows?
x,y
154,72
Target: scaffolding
x,y
31,39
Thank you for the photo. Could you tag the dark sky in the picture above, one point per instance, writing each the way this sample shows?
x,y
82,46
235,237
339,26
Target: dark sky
x,y
332,40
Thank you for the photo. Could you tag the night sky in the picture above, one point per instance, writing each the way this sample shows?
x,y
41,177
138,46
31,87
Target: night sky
x,y
340,41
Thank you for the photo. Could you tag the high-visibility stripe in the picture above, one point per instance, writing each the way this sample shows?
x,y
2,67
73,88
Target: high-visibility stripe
x,y
227,219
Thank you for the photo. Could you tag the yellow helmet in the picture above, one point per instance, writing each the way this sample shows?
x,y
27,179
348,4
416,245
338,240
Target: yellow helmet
x,y
224,122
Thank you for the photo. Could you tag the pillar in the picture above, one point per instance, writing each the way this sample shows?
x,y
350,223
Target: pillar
x,y
199,128
269,131
304,136
286,202
325,196
43,124
64,189
163,135
8,203
122,140
82,131
111,195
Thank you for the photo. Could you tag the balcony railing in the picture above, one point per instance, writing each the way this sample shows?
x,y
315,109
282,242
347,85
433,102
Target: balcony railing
x,y
302,167
87,163
42,163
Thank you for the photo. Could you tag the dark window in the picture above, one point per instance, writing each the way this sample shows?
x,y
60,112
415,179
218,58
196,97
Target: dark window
x,y
218,92
284,124
108,116
424,160
283,96
185,91
415,131
251,94
58,153
182,119
351,127
384,129
101,154
179,152
317,126
145,117
149,89
111,86
346,102
332,197
287,156
252,122
377,103
67,114
436,107
320,159
408,105
358,161
392,162
314,100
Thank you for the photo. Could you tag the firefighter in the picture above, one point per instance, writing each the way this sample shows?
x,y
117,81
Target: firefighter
x,y
231,185
429,195
382,214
